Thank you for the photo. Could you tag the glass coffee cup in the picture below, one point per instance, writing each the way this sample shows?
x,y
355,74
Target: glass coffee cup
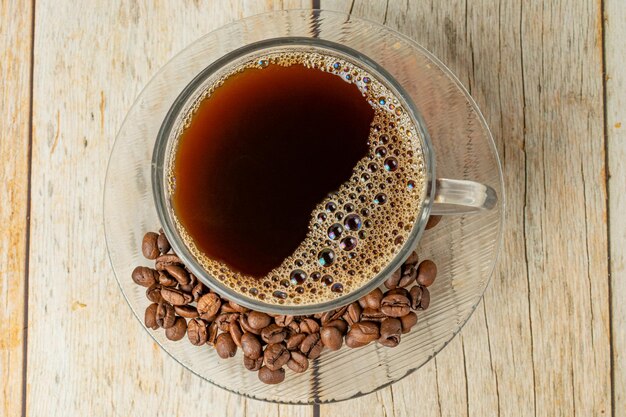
x,y
440,196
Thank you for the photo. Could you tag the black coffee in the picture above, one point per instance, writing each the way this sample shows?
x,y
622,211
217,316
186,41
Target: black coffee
x,y
259,155
296,178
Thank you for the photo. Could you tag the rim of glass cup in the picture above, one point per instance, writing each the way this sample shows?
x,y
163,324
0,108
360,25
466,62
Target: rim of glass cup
x,y
178,109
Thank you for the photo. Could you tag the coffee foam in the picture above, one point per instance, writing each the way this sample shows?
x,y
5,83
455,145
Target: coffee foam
x,y
355,231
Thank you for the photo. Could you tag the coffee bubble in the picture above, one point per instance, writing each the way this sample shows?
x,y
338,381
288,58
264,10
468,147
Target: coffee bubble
x,y
326,257
348,243
335,231
352,222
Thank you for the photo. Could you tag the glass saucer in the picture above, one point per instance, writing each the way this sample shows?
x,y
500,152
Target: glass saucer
x,y
465,248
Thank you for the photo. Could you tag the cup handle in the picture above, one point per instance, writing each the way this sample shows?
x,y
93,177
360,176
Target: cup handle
x,y
462,197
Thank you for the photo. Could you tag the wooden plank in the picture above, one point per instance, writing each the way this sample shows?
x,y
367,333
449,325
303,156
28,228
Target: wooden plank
x,y
87,355
615,59
15,93
539,344
565,207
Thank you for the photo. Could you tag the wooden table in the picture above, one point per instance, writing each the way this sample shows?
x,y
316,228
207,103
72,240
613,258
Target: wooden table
x,y
549,339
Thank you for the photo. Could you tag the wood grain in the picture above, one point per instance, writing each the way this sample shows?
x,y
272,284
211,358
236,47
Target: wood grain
x,y
15,66
88,355
539,343
615,59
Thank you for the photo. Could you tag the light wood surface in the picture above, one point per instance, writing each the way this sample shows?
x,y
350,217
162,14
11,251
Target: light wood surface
x,y
15,93
549,339
615,35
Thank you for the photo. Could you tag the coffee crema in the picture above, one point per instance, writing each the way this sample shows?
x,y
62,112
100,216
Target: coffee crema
x,y
296,177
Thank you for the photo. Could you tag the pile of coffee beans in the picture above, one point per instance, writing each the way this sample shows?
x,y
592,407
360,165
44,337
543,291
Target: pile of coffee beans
x,y
182,305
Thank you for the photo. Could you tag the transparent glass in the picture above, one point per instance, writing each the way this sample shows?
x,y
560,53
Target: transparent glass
x,y
465,247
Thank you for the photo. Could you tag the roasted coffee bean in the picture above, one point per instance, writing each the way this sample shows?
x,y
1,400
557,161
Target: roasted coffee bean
x,y
235,332
426,273
237,308
165,315
175,297
274,333
269,376
420,298
326,316
295,340
149,246
227,308
394,279
251,346
312,346
339,324
275,356
309,326
282,320
293,328
364,332
212,334
190,285
253,364
331,337
415,296
408,322
163,244
198,291
372,315
153,293
149,317
144,276
353,341
408,276
208,306
168,259
178,330
333,314
258,320
425,300
225,346
166,280
223,320
178,273
390,330
298,362
395,305
338,313
398,291
432,221
187,311
245,325
353,313
372,300
197,332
